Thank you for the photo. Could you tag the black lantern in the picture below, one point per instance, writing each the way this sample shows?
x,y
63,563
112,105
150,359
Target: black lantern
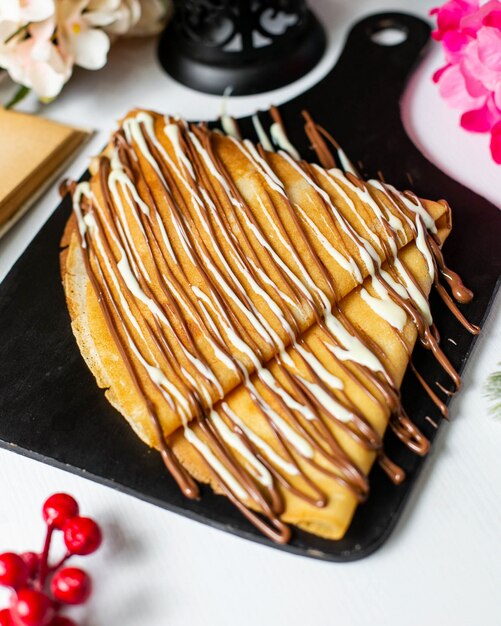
x,y
249,45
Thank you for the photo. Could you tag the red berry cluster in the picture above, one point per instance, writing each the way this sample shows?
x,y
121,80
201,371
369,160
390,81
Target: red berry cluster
x,y
39,590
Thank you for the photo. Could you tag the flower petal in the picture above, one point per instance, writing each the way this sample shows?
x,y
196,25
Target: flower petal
x,y
489,47
106,6
479,78
473,21
495,144
90,48
438,73
42,31
126,17
45,81
493,19
154,14
453,43
450,14
453,89
69,11
99,18
17,62
9,11
478,120
7,29
497,95
37,10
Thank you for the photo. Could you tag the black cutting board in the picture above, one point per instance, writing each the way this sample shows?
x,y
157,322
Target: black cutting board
x,y
51,408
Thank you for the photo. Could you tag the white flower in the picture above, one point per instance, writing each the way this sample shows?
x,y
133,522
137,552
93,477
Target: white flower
x,y
84,26
86,45
35,61
41,40
129,17
117,17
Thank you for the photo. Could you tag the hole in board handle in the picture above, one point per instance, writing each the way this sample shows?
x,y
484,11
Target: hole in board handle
x,y
388,34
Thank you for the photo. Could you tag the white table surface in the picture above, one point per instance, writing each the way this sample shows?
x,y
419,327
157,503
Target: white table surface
x,y
442,564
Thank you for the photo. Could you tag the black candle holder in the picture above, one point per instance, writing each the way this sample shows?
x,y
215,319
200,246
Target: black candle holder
x,y
249,45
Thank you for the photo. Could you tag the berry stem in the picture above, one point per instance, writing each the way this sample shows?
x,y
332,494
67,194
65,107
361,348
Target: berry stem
x,y
60,563
45,557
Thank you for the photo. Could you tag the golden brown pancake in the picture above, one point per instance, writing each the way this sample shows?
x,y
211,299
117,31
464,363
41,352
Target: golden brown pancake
x,y
250,315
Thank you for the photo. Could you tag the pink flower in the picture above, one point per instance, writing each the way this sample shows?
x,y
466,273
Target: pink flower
x,y
450,14
470,81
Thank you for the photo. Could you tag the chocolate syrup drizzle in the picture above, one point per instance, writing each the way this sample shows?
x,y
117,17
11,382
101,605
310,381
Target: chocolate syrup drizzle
x,y
302,420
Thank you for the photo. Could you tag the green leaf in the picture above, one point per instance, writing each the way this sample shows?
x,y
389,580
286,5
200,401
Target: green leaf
x,y
20,94
493,392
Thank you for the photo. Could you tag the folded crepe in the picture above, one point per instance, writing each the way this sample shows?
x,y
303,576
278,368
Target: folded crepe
x,y
251,315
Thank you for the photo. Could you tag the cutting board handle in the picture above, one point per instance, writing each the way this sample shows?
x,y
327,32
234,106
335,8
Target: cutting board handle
x,y
359,99
366,59
364,42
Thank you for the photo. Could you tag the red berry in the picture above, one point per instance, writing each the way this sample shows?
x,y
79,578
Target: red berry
x,y
82,536
32,562
13,570
31,608
71,585
5,618
58,509
60,620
